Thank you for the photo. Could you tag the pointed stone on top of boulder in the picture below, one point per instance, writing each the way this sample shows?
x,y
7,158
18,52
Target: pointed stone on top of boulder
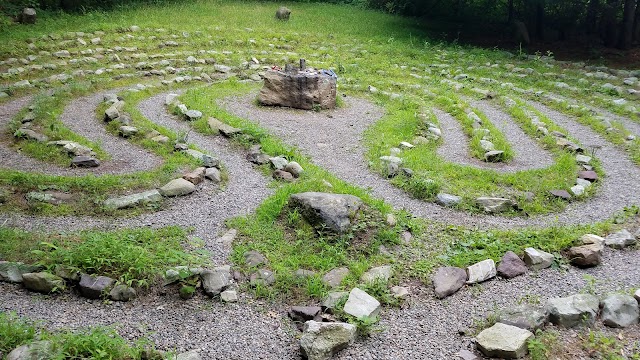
x,y
448,280
327,211
511,266
504,341
361,305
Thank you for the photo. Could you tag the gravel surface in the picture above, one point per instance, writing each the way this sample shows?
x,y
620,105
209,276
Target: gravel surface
x,y
80,117
528,154
205,210
426,328
339,135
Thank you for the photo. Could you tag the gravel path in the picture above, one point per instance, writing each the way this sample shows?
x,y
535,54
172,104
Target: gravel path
x,y
205,210
79,116
317,135
455,148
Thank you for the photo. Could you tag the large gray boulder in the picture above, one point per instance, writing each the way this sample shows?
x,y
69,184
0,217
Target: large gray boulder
x,y
620,310
300,90
13,271
448,280
216,281
43,282
504,341
573,310
143,198
94,287
361,305
37,350
320,340
620,240
494,205
327,211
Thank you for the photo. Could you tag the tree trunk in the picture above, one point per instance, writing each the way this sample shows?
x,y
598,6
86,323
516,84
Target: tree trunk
x,y
636,23
609,26
510,12
626,28
540,19
592,16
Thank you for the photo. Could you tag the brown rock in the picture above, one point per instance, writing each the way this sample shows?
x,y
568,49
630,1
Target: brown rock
x,y
588,175
511,265
585,255
563,194
283,176
448,280
196,176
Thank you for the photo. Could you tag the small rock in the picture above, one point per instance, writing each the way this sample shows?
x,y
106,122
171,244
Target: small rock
x,y
466,355
537,259
589,175
190,355
177,187
620,240
229,296
391,220
304,313
562,194
13,271
335,276
585,255
210,161
573,310
278,162
381,272
361,305
111,113
85,162
303,274
93,287
143,198
122,293
481,271
43,282
523,316
216,280
294,169
282,175
399,292
504,341
196,176
193,115
320,340
213,174
448,280
254,258
577,190
583,159
589,239
333,298
447,200
262,277
127,131
33,351
620,310
511,266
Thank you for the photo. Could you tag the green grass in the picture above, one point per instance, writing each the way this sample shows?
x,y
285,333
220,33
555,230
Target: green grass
x,y
93,343
136,257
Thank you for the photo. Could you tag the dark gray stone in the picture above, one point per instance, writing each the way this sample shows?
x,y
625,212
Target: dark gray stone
x,y
85,162
93,287
43,282
448,280
524,317
327,211
300,90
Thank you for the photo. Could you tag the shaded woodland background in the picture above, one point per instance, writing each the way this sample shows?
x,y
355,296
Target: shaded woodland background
x,y
587,25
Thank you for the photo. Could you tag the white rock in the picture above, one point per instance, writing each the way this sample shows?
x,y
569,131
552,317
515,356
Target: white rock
x,y
482,271
361,305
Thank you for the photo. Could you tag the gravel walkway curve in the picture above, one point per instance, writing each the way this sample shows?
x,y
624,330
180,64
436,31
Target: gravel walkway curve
x,y
528,154
205,210
79,116
339,135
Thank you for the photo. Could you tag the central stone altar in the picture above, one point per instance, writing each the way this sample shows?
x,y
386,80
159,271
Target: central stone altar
x,y
299,88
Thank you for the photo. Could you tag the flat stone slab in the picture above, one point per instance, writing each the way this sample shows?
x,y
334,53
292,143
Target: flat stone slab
x,y
146,197
504,341
361,305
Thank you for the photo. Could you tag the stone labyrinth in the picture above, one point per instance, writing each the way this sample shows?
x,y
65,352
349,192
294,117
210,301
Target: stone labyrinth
x,y
110,104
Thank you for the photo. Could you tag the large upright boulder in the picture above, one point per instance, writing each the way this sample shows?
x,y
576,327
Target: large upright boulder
x,y
298,89
326,210
28,16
